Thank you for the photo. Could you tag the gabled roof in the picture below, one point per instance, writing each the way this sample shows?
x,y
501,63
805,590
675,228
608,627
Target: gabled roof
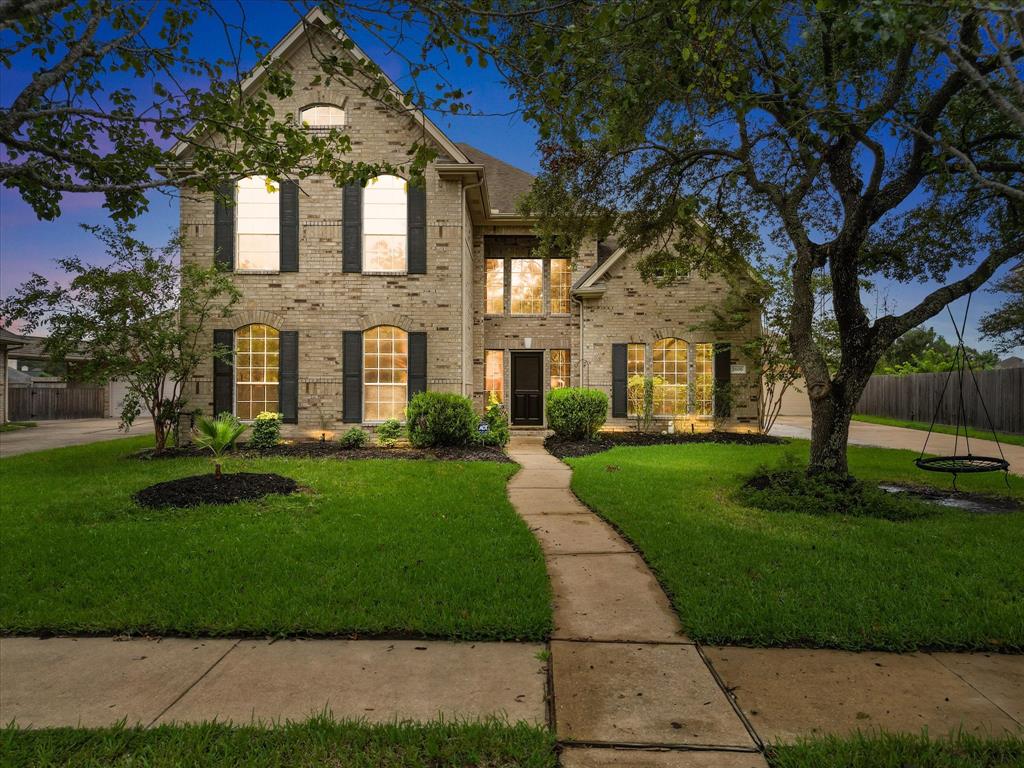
x,y
506,184
9,340
316,16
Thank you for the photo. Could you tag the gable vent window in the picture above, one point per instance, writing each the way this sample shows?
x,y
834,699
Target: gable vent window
x,y
258,222
385,225
323,116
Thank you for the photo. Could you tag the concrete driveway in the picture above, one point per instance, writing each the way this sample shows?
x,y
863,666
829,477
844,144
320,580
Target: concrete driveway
x,y
57,434
862,433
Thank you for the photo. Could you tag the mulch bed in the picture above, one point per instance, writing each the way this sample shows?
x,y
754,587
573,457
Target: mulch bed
x,y
314,449
570,449
207,489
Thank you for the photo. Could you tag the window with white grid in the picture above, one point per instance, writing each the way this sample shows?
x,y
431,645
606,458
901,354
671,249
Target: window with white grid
x,y
527,278
256,371
561,279
704,379
635,369
670,365
495,287
385,373
257,225
322,116
385,225
559,368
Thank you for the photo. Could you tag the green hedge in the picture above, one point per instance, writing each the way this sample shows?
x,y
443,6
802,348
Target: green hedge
x,y
440,419
576,413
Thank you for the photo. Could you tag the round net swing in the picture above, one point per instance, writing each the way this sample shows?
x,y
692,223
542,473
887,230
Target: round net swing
x,y
965,463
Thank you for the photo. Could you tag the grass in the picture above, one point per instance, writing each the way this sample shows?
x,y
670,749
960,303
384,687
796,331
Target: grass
x,y
14,426
308,744
899,751
382,547
739,575
945,429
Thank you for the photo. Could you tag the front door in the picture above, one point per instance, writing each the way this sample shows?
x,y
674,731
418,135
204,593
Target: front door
x,y
528,388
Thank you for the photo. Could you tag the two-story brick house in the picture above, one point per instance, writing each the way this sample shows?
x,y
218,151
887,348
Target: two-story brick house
x,y
355,299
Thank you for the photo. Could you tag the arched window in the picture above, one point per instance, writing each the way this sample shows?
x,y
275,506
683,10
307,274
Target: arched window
x,y
257,225
385,225
256,371
385,373
670,372
322,116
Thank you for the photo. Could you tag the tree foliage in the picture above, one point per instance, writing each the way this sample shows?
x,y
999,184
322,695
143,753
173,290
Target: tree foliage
x,y
1005,325
142,320
922,350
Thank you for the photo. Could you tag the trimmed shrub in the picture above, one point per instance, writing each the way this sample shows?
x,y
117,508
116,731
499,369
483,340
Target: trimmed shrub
x,y
437,419
576,413
354,438
389,432
266,430
496,419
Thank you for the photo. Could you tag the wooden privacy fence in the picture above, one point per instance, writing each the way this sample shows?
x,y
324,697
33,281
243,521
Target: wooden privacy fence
x,y
915,398
41,403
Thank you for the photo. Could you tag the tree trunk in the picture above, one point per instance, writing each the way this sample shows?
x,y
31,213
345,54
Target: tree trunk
x,y
159,434
830,429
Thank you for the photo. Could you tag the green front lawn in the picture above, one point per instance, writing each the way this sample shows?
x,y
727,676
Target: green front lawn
x,y
424,548
899,751
944,429
739,575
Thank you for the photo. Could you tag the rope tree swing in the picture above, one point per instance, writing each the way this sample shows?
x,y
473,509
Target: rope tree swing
x,y
962,463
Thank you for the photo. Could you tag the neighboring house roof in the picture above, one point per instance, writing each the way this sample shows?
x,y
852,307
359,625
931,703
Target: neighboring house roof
x,y
1011,362
34,348
506,184
10,340
14,376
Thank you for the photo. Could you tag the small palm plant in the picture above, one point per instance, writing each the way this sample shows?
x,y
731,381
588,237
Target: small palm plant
x,y
218,435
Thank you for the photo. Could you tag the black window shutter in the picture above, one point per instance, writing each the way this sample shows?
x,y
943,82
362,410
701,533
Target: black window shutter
x,y
223,373
288,376
352,228
723,377
416,210
224,227
417,363
289,222
352,377
619,383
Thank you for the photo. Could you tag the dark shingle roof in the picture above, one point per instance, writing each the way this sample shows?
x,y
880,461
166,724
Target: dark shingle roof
x,y
505,183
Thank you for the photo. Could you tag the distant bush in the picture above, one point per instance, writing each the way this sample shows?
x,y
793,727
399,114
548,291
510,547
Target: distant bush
x,y
496,419
438,419
266,430
576,413
354,438
389,432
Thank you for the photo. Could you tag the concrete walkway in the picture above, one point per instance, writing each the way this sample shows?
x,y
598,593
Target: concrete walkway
x,y
629,688
98,681
882,436
57,434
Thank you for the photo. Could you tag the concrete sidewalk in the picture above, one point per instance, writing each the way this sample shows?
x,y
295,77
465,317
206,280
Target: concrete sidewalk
x,y
882,436
63,432
98,681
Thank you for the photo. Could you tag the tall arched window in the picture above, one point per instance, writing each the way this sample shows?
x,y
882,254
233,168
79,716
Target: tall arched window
x,y
670,366
385,373
385,225
256,371
322,116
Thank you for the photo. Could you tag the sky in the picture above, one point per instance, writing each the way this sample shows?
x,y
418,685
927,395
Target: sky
x,y
29,245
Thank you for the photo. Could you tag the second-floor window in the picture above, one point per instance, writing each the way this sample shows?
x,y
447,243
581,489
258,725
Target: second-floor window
x,y
385,225
495,287
561,282
527,287
257,219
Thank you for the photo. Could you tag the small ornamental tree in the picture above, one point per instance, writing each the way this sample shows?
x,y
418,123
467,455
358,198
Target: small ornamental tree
x,y
140,320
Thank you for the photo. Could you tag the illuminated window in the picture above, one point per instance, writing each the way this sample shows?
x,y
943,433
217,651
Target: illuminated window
x,y
494,375
704,379
527,287
559,368
495,286
322,116
385,224
257,225
635,369
669,358
561,281
385,373
256,371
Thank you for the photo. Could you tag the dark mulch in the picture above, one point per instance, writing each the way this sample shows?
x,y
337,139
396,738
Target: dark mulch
x,y
570,449
314,449
207,489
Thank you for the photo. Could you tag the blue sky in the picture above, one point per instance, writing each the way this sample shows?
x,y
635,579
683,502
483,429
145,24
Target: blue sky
x,y
27,244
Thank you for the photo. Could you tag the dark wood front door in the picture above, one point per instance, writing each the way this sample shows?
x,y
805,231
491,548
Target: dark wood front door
x,y
528,388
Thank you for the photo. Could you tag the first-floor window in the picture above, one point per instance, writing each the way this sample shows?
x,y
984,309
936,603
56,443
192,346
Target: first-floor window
x,y
704,379
559,368
256,371
669,357
635,370
494,375
385,373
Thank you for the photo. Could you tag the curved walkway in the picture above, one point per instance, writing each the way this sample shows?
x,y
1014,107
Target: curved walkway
x,y
629,688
